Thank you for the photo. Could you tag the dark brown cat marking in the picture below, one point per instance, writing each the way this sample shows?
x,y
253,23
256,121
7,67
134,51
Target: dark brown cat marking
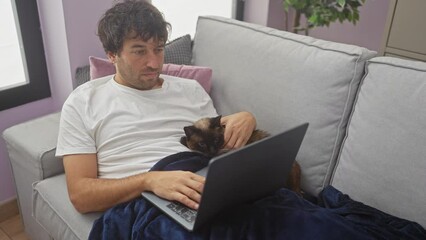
x,y
206,136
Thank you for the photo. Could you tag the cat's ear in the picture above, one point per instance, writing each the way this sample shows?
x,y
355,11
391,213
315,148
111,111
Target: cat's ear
x,y
189,130
183,141
215,122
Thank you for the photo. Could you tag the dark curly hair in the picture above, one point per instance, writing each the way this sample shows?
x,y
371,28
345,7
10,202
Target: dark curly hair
x,y
131,19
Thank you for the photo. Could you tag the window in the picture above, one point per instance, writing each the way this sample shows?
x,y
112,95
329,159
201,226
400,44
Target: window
x,y
23,65
183,15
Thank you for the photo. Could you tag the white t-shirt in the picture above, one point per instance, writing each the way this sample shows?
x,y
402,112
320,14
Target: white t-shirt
x,y
130,130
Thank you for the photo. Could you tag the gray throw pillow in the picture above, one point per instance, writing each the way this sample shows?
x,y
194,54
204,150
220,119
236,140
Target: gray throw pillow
x,y
82,75
179,51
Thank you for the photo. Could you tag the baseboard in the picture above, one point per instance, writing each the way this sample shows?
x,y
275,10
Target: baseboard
x,y
8,208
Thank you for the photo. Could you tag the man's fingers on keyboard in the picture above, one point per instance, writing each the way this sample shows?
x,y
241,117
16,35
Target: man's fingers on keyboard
x,y
182,198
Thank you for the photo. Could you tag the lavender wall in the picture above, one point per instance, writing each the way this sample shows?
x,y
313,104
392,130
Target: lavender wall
x,y
256,11
81,20
69,37
367,33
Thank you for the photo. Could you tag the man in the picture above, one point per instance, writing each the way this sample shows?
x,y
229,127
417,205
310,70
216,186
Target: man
x,y
113,130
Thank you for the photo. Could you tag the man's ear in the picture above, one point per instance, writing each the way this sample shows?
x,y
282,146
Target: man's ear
x,y
111,57
189,130
215,122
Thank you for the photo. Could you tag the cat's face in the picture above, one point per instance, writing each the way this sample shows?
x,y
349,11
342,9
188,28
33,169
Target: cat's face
x,y
205,136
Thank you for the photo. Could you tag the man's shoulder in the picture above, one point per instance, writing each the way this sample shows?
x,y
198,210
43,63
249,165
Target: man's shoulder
x,y
91,84
86,90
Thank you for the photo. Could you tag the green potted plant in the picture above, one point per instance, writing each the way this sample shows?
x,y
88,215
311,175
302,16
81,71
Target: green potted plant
x,y
321,12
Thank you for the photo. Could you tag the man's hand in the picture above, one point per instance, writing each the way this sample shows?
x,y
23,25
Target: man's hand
x,y
181,186
238,129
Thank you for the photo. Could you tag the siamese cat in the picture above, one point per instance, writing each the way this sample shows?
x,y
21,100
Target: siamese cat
x,y
207,137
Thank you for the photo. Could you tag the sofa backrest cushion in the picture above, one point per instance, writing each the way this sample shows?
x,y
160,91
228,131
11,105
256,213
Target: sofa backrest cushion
x,y
382,162
284,79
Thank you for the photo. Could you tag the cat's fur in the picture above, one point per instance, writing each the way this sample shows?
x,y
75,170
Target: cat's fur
x,y
207,137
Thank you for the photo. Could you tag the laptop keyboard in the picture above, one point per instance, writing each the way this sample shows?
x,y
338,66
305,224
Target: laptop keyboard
x,y
183,211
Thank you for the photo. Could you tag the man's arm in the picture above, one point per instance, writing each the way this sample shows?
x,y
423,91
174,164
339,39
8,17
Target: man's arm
x,y
88,193
238,129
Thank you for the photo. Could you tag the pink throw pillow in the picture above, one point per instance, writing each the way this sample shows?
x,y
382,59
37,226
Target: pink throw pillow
x,y
100,67
202,75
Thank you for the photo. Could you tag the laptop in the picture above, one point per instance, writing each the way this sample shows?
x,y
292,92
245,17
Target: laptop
x,y
237,177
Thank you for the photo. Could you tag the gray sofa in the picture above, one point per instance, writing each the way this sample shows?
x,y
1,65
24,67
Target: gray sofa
x,y
366,136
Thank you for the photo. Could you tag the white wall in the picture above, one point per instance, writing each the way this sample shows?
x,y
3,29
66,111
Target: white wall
x,y
183,14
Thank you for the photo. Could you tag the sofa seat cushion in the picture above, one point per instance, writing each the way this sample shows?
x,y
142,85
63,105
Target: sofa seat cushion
x,y
284,79
54,211
382,162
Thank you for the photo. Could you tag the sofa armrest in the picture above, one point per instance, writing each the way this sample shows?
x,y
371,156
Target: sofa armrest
x,y
32,145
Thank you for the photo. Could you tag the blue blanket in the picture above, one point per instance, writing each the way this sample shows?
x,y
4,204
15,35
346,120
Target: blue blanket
x,y
283,215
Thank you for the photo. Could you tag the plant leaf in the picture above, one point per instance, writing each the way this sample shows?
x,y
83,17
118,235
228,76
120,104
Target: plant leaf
x,y
323,12
341,3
